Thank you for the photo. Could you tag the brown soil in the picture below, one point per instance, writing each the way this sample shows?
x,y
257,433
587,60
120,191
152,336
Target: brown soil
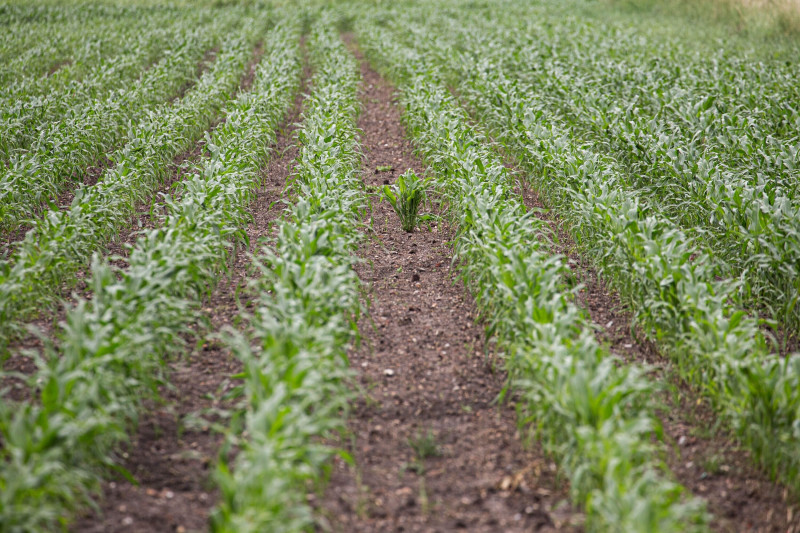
x,y
423,372
172,463
702,457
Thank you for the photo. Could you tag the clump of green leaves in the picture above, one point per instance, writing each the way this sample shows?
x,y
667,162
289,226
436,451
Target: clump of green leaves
x,y
405,197
425,445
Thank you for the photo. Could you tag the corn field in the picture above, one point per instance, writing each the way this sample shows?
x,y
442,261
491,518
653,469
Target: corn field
x,y
187,183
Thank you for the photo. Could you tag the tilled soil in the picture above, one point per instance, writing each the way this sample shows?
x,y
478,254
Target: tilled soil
x,y
703,458
171,462
433,451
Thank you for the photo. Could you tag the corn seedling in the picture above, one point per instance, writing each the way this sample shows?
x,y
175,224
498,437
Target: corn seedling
x,y
405,197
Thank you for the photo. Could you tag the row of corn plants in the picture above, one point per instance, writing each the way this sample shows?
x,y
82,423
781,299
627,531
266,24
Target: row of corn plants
x,y
692,136
718,168
59,156
591,412
111,350
69,54
669,278
30,106
29,50
294,389
62,242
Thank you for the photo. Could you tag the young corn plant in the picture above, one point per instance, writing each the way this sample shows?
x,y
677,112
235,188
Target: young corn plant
x,y
405,197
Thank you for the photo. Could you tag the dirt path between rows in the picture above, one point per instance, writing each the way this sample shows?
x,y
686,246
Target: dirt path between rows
x,y
173,463
432,450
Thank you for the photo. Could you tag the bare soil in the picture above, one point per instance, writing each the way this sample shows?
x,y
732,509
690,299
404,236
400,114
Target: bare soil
x,y
58,65
427,383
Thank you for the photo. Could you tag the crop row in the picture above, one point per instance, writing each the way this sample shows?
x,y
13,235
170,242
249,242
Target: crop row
x,y
668,277
30,50
29,107
111,350
65,148
593,413
692,136
62,242
294,389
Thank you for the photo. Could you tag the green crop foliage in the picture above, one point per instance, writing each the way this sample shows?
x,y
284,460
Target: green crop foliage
x,y
63,149
592,413
294,385
111,350
102,62
677,279
709,136
671,278
405,197
63,241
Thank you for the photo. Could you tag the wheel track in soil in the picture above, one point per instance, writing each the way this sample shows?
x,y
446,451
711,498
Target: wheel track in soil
x,y
173,465
422,368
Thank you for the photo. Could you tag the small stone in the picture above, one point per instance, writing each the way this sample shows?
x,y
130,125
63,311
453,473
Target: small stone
x,y
388,372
